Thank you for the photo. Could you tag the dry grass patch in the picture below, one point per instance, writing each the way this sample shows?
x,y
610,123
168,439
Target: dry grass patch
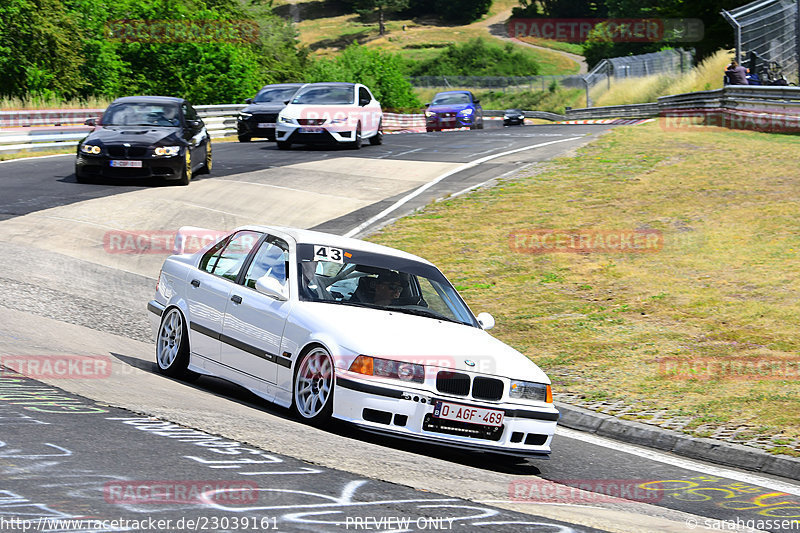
x,y
603,324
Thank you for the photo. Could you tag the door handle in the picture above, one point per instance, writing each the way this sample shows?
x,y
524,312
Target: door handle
x,y
236,299
195,283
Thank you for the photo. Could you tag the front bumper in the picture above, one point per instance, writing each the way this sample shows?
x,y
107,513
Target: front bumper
x,y
446,122
527,431
296,134
99,166
252,128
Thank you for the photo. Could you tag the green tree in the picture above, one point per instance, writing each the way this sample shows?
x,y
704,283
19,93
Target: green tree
x,y
381,8
38,40
382,72
478,58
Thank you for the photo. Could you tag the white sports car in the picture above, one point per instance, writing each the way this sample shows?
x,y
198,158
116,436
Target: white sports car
x,y
340,328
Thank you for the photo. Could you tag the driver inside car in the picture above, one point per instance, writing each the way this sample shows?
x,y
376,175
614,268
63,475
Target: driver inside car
x,y
387,288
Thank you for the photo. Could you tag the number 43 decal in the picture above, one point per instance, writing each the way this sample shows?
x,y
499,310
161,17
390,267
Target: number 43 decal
x,y
325,253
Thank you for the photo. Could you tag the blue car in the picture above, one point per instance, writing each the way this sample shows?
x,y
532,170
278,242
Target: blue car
x,y
454,109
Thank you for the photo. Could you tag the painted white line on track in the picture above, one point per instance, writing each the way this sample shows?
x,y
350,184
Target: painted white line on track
x,y
447,174
680,462
34,158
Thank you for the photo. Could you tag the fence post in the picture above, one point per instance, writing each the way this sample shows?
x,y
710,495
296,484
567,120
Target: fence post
x,y
797,38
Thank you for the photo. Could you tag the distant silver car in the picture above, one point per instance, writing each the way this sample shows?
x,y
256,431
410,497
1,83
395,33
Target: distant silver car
x,y
340,328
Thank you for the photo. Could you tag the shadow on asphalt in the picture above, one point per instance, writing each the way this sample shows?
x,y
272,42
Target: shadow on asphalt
x,y
231,391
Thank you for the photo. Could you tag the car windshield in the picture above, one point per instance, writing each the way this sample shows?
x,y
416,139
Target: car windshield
x,y
451,98
355,278
274,95
513,112
141,114
327,95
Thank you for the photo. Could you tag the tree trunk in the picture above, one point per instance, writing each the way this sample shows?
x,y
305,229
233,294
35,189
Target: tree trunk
x,y
381,26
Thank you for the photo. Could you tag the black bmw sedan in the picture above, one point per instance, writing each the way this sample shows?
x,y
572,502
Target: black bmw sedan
x,y
145,137
259,117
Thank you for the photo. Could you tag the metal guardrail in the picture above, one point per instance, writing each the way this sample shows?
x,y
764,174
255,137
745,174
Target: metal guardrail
x,y
732,106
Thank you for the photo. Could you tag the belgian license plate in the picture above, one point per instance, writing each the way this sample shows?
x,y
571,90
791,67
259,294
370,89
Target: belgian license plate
x,y
125,163
468,414
312,129
266,124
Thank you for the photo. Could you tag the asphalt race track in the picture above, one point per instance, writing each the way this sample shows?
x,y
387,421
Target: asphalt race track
x,y
95,449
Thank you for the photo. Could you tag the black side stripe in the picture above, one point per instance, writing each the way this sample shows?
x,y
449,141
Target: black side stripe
x,y
283,361
155,309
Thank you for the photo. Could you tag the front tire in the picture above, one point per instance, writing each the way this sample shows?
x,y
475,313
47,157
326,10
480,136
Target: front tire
x,y
206,168
312,397
357,142
172,346
377,139
186,172
244,138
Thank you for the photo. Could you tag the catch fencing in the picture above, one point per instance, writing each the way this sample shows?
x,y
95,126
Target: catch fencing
x,y
766,30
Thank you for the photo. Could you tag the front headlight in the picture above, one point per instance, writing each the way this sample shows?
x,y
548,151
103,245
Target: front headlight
x,y
527,390
244,116
285,120
90,149
167,151
465,112
386,368
429,113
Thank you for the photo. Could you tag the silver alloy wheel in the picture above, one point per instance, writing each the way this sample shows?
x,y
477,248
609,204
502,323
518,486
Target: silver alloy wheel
x,y
169,339
313,384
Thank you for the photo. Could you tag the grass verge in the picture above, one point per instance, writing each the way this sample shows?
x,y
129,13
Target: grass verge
x,y
605,326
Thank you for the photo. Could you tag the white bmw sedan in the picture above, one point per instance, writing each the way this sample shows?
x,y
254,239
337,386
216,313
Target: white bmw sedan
x,y
330,113
333,327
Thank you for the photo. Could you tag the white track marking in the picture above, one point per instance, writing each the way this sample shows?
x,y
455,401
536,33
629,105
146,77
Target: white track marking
x,y
449,173
680,462
35,158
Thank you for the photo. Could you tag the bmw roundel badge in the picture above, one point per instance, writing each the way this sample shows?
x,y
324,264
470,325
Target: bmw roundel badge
x,y
469,363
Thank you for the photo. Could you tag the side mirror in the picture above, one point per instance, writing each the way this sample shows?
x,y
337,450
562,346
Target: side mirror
x,y
486,321
194,123
271,287
476,101
286,102
90,122
248,100
364,101
428,104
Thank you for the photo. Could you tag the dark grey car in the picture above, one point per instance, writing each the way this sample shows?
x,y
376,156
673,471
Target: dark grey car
x,y
259,117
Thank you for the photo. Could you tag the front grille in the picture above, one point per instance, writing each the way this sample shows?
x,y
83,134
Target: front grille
x,y
116,151
487,389
122,151
452,383
265,117
452,427
311,121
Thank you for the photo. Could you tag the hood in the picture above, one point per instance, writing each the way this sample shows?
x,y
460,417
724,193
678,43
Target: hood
x,y
136,135
449,108
266,107
404,337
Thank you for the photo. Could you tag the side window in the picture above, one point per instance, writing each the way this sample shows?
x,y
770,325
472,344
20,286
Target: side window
x,y
189,112
227,259
364,93
271,259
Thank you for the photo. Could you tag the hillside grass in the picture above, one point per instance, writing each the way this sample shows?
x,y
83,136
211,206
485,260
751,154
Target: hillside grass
x,y
706,76
415,40
603,324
